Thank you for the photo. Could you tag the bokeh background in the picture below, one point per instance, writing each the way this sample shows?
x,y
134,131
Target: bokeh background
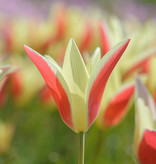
x,y
31,129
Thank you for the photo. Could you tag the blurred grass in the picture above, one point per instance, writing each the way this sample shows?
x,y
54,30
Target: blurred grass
x,y
41,137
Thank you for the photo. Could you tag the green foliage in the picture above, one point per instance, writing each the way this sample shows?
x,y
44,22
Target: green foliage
x,y
42,137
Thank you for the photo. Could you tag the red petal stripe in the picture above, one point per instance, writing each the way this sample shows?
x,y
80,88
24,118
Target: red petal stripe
x,y
142,66
147,148
105,47
56,89
117,107
86,38
3,92
99,84
16,84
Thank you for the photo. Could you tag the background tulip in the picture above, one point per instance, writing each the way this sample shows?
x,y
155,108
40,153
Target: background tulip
x,y
145,121
6,129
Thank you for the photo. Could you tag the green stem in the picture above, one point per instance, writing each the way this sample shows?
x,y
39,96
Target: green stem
x,y
81,148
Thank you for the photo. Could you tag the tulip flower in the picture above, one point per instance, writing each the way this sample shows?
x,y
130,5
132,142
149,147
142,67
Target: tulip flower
x,y
87,38
4,72
145,125
137,59
118,91
77,88
60,23
140,64
19,83
3,82
118,106
6,130
115,105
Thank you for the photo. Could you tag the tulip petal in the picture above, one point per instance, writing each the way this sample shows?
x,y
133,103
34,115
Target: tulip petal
x,y
7,69
16,84
139,62
95,58
118,106
113,85
141,92
147,148
104,39
99,77
74,69
143,113
60,23
76,76
143,120
86,38
3,93
56,83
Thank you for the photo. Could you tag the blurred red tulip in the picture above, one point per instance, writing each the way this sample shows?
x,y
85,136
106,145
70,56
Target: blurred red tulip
x,y
86,38
105,47
118,106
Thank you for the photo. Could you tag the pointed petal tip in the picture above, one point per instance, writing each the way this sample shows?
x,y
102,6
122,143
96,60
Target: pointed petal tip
x,y
139,85
24,46
72,41
98,49
27,48
127,41
31,52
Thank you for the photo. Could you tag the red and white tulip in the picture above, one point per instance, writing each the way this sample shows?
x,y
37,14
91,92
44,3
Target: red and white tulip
x,y
77,89
145,125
